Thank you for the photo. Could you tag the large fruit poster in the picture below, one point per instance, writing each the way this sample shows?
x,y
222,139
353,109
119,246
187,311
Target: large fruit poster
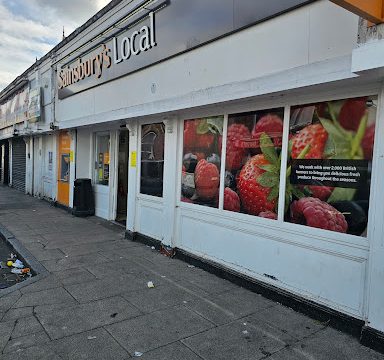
x,y
202,161
328,175
330,160
252,166
252,162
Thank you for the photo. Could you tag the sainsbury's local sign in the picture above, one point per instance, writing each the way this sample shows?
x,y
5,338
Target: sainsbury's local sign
x,y
167,28
122,49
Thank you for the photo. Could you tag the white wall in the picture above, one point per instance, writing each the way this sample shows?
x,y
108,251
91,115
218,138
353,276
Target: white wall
x,y
375,288
83,154
37,165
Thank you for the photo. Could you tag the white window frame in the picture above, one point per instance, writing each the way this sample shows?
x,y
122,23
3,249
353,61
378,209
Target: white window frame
x,y
315,237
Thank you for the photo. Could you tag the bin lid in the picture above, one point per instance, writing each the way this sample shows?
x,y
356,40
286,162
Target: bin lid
x,y
82,181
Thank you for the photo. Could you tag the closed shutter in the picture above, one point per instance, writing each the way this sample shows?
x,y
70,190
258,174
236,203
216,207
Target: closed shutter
x,y
18,164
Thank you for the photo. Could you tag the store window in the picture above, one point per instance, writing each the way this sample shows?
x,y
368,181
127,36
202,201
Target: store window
x,y
330,161
252,165
202,161
102,142
152,159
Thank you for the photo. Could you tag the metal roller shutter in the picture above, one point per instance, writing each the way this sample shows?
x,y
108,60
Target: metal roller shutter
x,y
18,164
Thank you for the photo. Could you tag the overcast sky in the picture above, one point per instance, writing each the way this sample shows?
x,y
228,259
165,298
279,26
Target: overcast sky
x,y
30,28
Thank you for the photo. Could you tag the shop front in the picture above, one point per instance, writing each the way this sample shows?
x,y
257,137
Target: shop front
x,y
264,164
283,193
63,175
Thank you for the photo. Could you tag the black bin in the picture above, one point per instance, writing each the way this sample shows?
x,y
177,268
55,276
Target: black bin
x,y
83,200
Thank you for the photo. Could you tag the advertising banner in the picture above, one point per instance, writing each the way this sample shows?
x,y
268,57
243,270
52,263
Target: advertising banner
x,y
330,164
34,105
14,110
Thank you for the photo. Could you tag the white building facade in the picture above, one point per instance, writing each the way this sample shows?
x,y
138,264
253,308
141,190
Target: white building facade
x,y
245,138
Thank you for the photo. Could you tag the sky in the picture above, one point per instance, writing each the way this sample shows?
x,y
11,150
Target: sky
x,y
30,28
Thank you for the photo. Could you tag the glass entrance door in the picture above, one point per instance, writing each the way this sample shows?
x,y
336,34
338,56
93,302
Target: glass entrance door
x,y
122,177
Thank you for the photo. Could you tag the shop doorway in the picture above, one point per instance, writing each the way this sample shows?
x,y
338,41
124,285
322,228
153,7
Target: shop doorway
x,y
4,163
122,177
63,161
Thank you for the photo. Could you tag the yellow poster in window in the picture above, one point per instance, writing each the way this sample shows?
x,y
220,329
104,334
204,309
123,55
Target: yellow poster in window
x,y
106,158
133,158
71,156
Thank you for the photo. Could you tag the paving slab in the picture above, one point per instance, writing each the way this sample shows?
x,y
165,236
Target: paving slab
x,y
38,352
77,319
26,326
52,307
160,297
96,344
206,281
174,268
74,276
237,341
7,301
287,320
115,285
230,305
55,240
34,246
15,344
170,279
31,240
47,254
49,282
14,314
73,262
45,297
148,332
117,267
332,344
133,253
84,249
175,351
6,329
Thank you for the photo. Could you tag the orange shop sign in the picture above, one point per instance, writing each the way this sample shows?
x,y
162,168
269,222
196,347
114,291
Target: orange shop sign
x,y
371,10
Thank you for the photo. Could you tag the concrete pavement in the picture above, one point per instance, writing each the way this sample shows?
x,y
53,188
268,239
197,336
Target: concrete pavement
x,y
94,302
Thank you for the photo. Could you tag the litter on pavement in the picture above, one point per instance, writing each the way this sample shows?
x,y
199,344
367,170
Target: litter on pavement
x,y
12,269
